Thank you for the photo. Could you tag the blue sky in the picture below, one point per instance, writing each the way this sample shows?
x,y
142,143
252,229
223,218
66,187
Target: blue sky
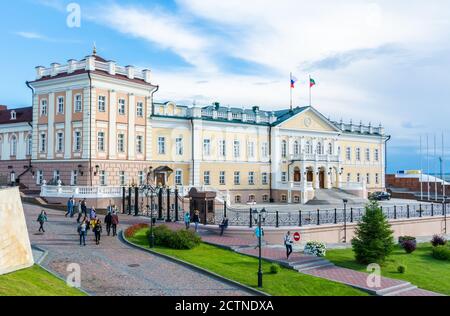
x,y
378,61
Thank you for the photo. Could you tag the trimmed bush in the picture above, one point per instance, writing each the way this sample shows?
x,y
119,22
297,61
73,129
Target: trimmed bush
x,y
373,241
274,268
132,230
315,248
401,269
402,239
441,253
438,241
409,246
181,239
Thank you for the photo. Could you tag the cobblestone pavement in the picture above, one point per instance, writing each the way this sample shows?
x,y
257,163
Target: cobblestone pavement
x,y
113,268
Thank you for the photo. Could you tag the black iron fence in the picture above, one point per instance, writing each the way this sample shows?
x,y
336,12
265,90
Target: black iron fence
x,y
328,216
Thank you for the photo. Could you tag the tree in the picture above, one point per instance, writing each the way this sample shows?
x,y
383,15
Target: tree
x,y
374,239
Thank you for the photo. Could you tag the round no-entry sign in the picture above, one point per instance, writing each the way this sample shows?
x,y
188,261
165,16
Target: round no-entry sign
x,y
297,236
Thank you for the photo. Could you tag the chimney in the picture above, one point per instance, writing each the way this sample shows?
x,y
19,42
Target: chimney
x,y
72,66
130,72
112,67
3,107
147,75
39,72
90,63
55,67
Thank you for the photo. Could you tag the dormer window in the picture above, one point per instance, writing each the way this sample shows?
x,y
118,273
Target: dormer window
x,y
13,115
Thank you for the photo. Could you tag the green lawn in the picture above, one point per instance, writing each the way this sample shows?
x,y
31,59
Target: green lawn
x,y
243,269
422,269
34,281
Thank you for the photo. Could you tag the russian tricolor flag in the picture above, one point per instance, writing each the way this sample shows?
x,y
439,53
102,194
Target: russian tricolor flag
x,y
293,81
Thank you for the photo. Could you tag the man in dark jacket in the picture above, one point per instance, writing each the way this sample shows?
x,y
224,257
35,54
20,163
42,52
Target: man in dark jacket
x,y
108,222
114,222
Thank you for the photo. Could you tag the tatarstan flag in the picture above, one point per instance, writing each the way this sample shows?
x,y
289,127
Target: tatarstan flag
x,y
312,82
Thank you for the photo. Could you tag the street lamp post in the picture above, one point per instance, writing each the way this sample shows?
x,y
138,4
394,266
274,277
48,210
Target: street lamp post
x,y
148,191
259,216
444,199
345,219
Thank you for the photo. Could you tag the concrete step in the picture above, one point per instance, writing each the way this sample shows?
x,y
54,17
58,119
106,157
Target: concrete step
x,y
308,260
405,286
309,263
314,266
402,290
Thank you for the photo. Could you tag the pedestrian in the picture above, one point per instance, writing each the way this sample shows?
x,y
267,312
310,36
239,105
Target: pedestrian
x,y
92,214
98,231
69,207
288,243
259,233
84,207
88,224
114,222
108,222
223,225
196,220
109,209
42,218
82,230
187,220
80,210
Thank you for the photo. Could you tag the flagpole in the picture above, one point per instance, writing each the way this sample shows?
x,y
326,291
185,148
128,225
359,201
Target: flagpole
x,y
290,81
435,173
421,169
310,103
442,166
428,169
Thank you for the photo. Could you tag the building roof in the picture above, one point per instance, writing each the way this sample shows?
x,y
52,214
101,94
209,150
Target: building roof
x,y
22,115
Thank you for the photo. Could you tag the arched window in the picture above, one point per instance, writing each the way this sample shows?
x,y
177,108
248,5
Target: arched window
x,y
13,145
284,149
296,149
319,148
29,145
330,149
308,147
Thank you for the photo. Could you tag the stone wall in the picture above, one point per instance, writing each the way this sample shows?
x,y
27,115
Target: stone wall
x,y
15,247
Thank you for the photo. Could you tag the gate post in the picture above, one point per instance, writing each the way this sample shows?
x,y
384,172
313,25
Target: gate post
x,y
176,204
136,201
277,220
124,197
129,200
251,219
160,198
168,205
318,217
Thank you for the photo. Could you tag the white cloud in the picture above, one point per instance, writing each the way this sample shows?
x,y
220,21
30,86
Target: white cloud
x,y
31,35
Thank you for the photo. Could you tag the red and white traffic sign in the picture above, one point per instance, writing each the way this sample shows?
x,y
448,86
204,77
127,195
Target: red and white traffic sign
x,y
297,236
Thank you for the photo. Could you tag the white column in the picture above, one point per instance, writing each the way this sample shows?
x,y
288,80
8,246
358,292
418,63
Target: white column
x,y
21,146
317,178
112,124
35,126
131,126
68,126
197,143
86,123
51,126
148,129
276,157
329,174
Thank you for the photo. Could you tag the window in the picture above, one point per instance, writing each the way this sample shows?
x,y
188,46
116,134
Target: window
x,y
121,143
330,149
206,178
139,144
13,115
56,175
237,199
251,150
349,177
358,177
296,199
251,198
122,178
102,177
319,149
206,147
264,178
348,153
161,145
77,141
251,178
308,147
179,146
222,148
78,105
284,176
13,145
265,150
377,178
284,149
237,149
101,103
60,105
43,107
43,143
367,154
74,177
179,177
376,155
59,142
140,109
141,177
222,178
368,178
29,150
296,149
101,141
237,178
284,198
358,154
265,198
39,177
122,106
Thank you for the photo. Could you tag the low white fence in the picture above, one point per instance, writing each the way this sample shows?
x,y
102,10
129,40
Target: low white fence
x,y
80,192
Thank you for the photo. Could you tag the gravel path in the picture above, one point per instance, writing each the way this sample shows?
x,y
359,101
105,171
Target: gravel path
x,y
114,268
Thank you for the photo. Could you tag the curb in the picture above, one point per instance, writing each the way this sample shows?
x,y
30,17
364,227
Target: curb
x,y
194,267
39,263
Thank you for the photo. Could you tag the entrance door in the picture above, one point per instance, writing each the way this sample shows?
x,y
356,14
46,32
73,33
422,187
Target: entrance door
x,y
310,176
297,175
322,179
161,179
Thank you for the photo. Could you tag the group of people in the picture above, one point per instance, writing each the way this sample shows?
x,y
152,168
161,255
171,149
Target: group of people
x,y
195,219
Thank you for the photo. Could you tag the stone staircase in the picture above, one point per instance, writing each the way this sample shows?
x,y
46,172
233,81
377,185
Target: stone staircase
x,y
334,197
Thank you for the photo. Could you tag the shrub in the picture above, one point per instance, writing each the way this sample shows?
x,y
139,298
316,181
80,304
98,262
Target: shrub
x,y
315,248
373,241
402,239
441,253
409,246
438,241
401,269
181,239
274,268
132,230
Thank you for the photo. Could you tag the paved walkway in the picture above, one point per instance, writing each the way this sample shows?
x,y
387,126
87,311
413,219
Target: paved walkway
x,y
114,268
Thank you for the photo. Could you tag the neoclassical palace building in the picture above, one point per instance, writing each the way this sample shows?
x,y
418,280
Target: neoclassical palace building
x,y
94,123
